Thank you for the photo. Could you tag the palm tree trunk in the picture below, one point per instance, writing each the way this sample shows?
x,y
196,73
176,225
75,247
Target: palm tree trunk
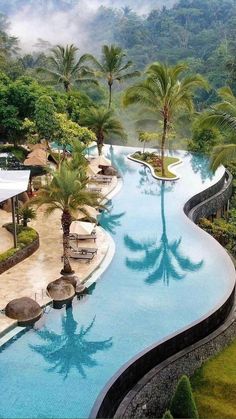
x,y
163,142
66,86
66,220
100,141
110,94
144,146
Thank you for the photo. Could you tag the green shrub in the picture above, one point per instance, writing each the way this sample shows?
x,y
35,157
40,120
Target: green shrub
x,y
6,255
183,404
27,236
167,415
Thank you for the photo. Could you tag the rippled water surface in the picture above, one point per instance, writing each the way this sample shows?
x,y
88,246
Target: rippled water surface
x,y
165,274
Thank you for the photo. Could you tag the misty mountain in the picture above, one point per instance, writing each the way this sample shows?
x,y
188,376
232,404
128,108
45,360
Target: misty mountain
x,y
10,7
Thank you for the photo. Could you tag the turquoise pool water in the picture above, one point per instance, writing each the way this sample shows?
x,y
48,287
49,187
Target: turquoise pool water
x,y
166,273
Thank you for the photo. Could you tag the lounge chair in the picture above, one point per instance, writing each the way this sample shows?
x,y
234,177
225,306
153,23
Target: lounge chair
x,y
94,189
81,256
86,237
102,178
84,250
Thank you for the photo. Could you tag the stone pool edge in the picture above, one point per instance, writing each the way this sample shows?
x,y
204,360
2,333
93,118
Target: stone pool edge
x,y
132,372
170,166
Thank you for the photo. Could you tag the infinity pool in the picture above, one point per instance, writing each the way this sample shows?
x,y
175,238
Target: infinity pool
x,y
166,273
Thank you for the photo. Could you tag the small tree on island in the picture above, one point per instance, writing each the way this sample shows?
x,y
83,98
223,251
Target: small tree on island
x,y
162,94
183,404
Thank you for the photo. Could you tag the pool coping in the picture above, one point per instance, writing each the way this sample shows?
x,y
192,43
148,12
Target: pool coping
x,y
170,166
13,329
109,398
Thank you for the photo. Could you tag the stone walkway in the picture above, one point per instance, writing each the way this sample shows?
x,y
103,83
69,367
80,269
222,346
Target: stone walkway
x,y
31,276
6,238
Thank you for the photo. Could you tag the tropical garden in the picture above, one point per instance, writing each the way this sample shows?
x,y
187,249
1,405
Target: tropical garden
x,y
166,80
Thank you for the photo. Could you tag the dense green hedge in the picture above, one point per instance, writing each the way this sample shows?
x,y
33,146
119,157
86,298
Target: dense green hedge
x,y
25,236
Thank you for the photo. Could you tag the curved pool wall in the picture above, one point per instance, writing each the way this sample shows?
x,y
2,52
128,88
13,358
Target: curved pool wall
x,y
166,274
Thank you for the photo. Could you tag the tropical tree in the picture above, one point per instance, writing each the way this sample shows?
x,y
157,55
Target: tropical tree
x,y
103,123
66,192
163,93
45,118
113,67
26,214
222,116
69,131
64,67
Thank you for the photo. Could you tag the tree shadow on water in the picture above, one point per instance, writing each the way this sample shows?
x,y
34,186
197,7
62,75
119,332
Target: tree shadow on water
x,y
163,259
70,349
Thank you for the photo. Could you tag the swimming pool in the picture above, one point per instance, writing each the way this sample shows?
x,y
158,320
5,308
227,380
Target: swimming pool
x,y
166,273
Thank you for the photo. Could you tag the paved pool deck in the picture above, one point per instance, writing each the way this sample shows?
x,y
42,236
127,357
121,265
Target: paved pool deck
x,y
31,276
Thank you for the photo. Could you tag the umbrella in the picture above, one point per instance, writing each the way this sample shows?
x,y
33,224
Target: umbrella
x,y
92,170
101,161
81,227
91,212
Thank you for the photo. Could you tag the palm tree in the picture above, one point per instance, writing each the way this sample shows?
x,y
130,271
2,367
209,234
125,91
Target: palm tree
x,y
164,260
222,116
64,67
103,123
71,348
113,67
26,214
66,192
163,93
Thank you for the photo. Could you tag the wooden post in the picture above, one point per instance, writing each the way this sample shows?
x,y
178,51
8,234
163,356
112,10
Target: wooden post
x,y
14,221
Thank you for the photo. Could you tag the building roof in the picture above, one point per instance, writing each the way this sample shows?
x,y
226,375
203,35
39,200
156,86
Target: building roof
x,y
13,182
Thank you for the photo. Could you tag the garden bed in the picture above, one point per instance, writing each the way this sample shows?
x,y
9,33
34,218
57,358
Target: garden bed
x,y
27,244
154,161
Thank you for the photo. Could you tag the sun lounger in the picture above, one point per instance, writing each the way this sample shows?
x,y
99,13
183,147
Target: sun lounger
x,y
81,256
86,237
94,189
84,250
102,178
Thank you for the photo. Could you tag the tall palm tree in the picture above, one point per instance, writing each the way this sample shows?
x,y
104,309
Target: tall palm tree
x,y
162,94
70,349
103,123
222,116
65,68
164,259
113,67
66,192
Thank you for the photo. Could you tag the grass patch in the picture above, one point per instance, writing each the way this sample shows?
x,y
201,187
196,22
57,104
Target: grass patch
x,y
214,385
25,236
154,160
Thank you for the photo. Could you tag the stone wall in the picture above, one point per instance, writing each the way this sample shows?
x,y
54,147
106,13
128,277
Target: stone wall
x,y
132,383
19,256
207,202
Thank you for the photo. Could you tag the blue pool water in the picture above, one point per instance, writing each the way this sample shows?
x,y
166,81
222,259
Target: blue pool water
x,y
166,273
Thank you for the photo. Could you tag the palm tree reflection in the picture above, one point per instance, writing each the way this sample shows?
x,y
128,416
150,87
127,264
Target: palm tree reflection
x,y
118,161
162,260
71,348
110,221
